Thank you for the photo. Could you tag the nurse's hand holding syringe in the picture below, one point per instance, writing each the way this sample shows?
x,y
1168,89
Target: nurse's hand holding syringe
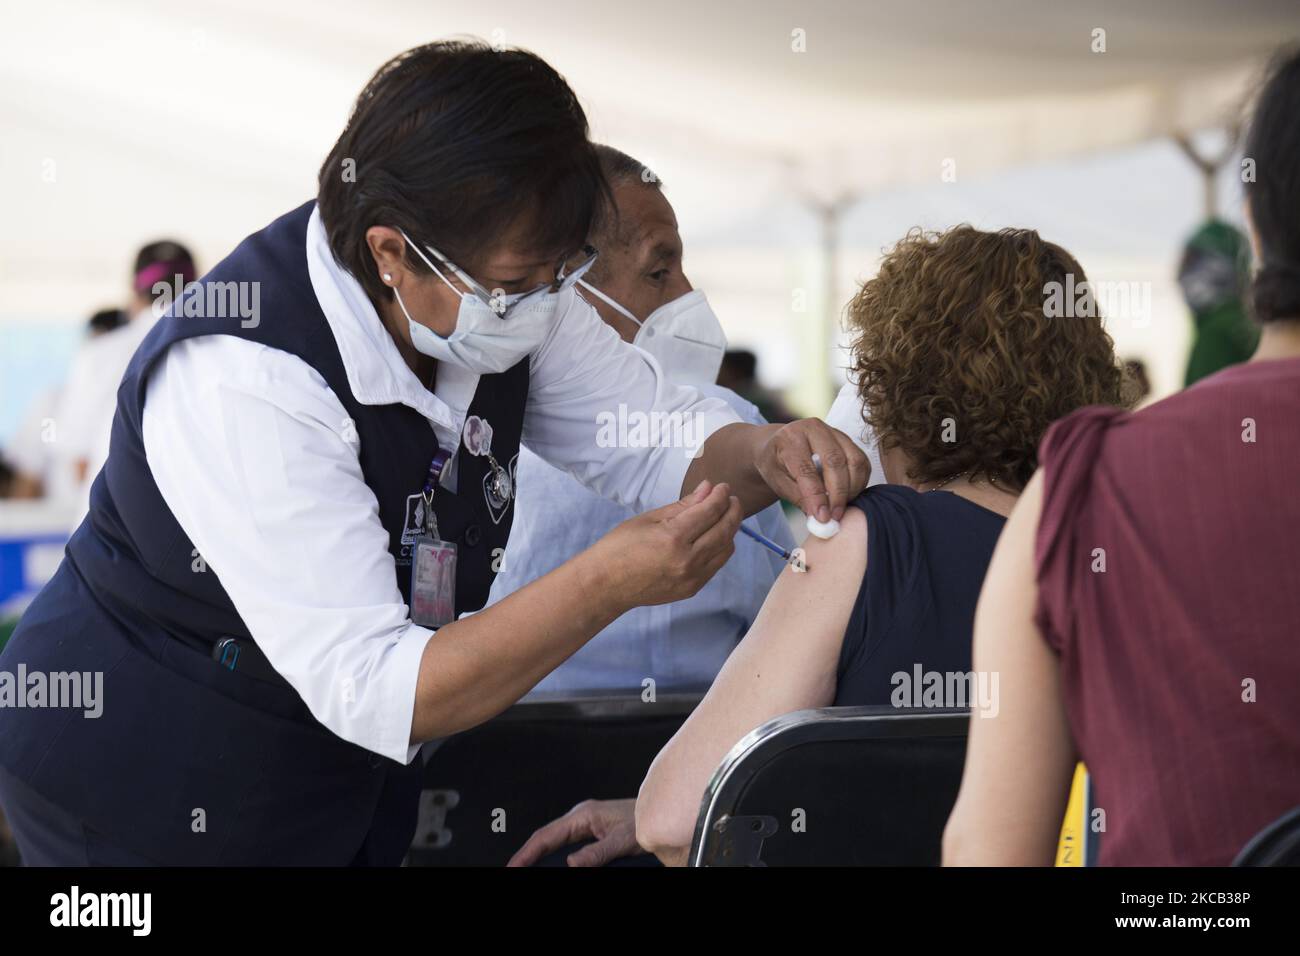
x,y
477,666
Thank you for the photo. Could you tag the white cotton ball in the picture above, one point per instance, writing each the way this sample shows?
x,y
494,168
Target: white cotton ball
x,y
823,529
818,529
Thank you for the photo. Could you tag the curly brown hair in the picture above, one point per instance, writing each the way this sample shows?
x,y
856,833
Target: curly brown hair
x,y
956,358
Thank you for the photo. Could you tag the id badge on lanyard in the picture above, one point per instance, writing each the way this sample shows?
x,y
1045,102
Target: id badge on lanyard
x,y
433,565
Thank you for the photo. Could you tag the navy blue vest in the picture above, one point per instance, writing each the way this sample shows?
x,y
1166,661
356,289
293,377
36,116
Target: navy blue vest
x,y
191,762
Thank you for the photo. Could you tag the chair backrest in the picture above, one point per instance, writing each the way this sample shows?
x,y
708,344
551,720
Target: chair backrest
x,y
487,789
852,786
1278,844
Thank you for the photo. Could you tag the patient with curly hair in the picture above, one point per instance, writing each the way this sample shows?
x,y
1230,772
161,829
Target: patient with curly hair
x,y
961,362
961,365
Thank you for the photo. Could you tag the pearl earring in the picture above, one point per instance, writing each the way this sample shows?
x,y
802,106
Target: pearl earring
x,y
388,277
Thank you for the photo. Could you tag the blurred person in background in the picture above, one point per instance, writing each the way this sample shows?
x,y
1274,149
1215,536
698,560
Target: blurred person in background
x,y
1142,607
37,470
83,418
739,374
639,288
105,321
1214,275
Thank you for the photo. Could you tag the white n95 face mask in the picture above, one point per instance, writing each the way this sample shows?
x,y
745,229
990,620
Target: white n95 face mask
x,y
483,341
684,335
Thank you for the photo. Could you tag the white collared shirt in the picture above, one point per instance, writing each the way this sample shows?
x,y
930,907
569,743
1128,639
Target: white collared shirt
x,y
256,458
682,645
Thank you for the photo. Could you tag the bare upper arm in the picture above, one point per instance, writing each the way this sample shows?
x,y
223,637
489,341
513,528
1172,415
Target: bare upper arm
x,y
787,661
1019,758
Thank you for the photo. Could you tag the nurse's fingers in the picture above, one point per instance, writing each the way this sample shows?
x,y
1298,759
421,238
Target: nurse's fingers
x,y
834,465
816,466
794,454
695,519
675,508
844,466
719,541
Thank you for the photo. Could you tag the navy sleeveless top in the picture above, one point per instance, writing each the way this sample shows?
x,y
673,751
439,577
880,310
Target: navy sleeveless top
x,y
190,762
926,558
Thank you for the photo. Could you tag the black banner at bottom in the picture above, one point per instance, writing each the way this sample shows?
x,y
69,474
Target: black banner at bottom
x,y
336,906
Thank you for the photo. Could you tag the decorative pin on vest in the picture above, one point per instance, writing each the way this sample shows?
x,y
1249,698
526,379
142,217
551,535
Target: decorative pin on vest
x,y
498,483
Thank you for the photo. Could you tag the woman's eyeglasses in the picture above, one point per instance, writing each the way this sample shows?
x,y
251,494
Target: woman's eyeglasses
x,y
503,303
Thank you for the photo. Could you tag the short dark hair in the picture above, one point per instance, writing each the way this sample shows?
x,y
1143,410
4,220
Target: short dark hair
x,y
165,252
453,142
618,166
106,320
1273,144
742,363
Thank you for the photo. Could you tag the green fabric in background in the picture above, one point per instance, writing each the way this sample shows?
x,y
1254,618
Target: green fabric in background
x,y
1223,337
1214,275
7,626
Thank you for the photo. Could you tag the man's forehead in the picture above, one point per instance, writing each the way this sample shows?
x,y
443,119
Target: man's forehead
x,y
643,203
659,243
646,218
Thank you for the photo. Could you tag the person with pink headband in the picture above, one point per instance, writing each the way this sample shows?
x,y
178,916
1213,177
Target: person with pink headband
x,y
84,414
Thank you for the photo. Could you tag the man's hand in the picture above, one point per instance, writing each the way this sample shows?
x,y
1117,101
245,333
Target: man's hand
x,y
786,463
611,823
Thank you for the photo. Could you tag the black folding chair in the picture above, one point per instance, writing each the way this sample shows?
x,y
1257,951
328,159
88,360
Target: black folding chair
x,y
841,786
1278,844
487,790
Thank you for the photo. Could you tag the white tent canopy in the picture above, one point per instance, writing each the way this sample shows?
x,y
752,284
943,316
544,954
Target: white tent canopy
x,y
128,120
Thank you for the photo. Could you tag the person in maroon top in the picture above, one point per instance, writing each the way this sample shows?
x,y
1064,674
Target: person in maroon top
x,y
1142,608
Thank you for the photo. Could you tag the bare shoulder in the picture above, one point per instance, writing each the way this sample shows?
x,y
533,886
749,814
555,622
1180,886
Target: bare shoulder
x,y
829,560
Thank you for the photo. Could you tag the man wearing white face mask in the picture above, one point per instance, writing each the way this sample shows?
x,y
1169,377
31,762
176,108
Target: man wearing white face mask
x,y
639,289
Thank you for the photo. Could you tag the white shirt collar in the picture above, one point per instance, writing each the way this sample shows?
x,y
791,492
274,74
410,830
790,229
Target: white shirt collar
x,y
376,372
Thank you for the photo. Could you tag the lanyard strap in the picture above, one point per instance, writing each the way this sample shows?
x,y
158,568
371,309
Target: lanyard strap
x,y
436,466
